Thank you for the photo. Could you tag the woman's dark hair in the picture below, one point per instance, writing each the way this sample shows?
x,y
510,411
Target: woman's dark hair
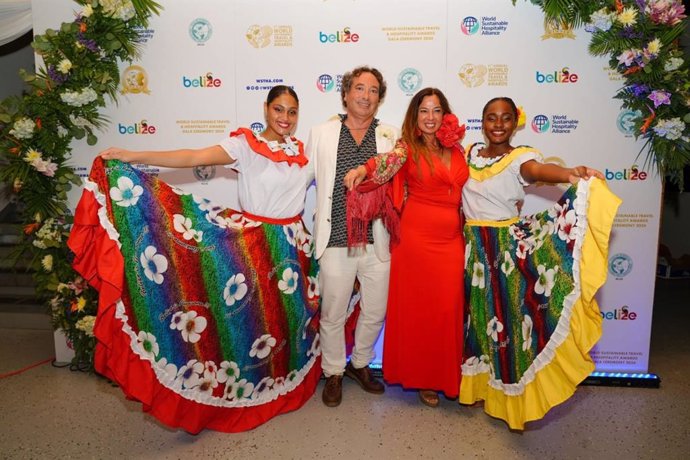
x,y
279,90
508,100
346,83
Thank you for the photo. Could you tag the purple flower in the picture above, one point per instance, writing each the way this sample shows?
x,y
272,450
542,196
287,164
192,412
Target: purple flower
x,y
88,43
57,77
660,98
630,32
638,89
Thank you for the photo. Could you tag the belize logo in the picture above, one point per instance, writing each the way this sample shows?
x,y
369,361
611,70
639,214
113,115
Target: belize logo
x,y
257,127
557,76
626,121
470,25
409,80
341,36
204,173
200,30
325,83
540,124
627,174
621,314
259,36
134,80
620,265
206,81
472,75
142,127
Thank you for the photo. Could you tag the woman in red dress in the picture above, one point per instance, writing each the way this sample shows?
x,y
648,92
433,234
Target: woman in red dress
x,y
424,322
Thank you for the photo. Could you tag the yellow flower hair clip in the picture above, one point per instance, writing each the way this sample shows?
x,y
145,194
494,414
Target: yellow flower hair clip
x,y
521,117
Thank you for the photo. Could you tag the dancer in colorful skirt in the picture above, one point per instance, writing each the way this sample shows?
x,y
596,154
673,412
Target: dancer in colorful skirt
x,y
529,281
424,331
206,315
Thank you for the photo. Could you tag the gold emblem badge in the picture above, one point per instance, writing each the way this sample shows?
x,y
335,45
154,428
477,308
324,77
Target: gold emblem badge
x,y
259,36
472,75
134,80
553,28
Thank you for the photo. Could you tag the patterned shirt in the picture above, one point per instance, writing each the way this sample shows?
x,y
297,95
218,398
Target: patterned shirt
x,y
350,155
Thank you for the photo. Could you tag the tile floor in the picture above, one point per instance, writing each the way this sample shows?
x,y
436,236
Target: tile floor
x,y
47,412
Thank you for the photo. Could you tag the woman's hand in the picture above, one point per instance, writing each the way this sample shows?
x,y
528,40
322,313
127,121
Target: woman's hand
x,y
583,172
114,153
354,177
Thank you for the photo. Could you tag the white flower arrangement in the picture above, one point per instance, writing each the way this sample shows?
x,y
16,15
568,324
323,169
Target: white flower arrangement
x,y
64,66
86,324
79,98
670,129
602,19
23,128
121,9
673,64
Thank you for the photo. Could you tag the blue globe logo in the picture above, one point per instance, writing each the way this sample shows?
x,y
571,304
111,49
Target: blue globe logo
x,y
200,30
470,25
626,121
540,124
325,83
410,80
257,127
620,265
204,173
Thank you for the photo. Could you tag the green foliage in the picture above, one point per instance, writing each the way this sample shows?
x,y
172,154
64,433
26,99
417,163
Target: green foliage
x,y
63,103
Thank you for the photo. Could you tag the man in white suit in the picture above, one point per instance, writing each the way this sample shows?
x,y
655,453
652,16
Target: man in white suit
x,y
335,147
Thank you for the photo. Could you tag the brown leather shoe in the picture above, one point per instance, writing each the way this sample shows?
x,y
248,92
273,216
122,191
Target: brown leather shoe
x,y
365,379
429,398
333,391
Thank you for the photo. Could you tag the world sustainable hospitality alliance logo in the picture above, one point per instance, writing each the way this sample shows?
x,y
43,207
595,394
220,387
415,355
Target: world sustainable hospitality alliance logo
x,y
200,30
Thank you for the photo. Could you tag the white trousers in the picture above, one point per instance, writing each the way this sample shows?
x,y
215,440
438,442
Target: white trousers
x,y
337,273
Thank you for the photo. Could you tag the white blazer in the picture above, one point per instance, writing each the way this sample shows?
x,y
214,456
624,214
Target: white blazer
x,y
322,149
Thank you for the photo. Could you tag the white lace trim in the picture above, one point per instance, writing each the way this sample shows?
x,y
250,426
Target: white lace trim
x,y
103,212
290,147
193,394
482,162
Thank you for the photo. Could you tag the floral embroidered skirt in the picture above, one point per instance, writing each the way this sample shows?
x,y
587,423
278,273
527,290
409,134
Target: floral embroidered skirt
x,y
205,316
529,297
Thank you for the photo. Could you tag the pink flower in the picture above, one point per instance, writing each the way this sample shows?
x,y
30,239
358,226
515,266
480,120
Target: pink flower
x,y
667,12
47,168
627,57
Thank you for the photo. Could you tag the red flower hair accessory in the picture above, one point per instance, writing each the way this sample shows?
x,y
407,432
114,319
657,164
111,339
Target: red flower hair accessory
x,y
450,132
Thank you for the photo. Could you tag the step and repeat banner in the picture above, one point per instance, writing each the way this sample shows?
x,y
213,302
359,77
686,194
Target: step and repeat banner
x,y
206,68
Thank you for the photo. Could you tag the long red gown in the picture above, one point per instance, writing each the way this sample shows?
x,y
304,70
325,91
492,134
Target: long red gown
x,y
424,324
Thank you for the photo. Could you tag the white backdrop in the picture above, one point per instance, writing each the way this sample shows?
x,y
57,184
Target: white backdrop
x,y
472,49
